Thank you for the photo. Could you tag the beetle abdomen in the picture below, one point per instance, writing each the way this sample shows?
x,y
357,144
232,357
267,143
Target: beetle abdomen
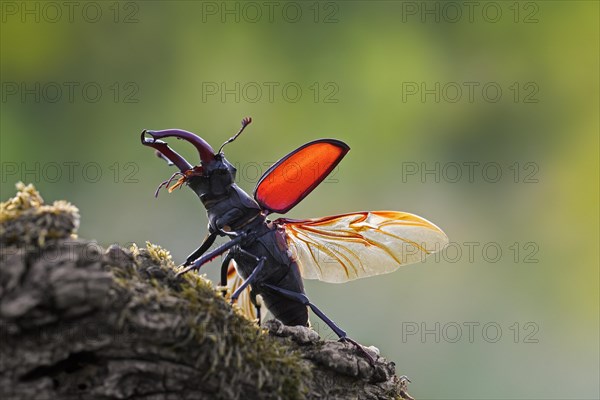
x,y
289,312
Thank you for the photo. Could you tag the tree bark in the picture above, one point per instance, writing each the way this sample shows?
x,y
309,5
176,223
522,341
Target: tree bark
x,y
81,322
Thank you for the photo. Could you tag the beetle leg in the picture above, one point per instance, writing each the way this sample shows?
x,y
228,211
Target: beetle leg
x,y
224,270
223,285
208,241
213,254
302,298
250,279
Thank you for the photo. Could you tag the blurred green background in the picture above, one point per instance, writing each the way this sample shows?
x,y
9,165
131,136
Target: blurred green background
x,y
367,72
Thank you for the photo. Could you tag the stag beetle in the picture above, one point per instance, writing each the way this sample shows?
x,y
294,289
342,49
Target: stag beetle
x,y
271,257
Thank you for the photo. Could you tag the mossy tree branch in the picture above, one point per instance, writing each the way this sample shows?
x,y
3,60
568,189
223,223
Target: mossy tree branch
x,y
78,321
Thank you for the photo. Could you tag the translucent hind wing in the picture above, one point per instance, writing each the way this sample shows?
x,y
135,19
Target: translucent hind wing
x,y
234,281
345,247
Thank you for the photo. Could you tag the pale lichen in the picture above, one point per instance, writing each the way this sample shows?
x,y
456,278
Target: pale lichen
x,y
26,220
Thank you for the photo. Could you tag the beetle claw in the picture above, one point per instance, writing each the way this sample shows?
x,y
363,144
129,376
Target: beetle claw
x,y
148,140
152,139
184,270
360,348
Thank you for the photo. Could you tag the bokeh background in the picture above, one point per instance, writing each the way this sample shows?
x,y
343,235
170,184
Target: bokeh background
x,y
367,72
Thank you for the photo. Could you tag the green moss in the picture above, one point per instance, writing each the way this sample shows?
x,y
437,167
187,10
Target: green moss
x,y
231,344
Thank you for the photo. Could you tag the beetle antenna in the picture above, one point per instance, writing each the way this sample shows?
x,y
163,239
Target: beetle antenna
x,y
245,122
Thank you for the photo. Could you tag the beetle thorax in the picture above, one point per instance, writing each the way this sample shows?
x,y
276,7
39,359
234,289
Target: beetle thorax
x,y
228,207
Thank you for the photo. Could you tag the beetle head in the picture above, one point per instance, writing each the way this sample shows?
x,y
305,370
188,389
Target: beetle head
x,y
209,179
